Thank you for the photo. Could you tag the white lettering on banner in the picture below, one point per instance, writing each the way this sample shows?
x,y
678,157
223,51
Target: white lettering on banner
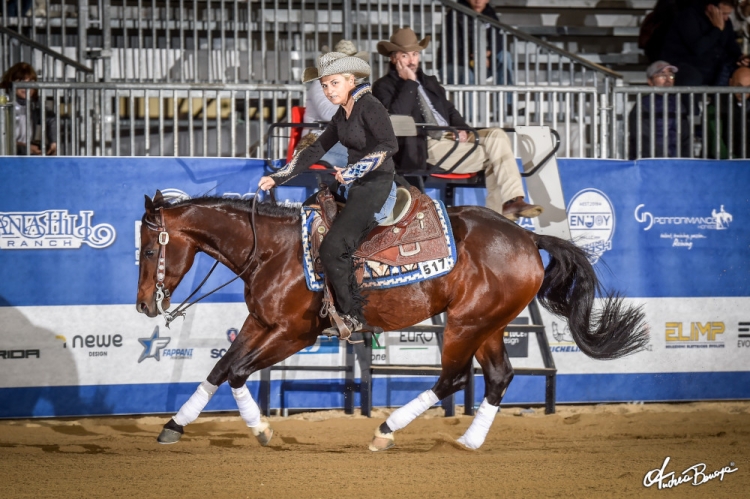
x,y
591,217
53,229
694,475
719,220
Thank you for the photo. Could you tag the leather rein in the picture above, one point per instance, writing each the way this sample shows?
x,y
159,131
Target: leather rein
x,y
161,268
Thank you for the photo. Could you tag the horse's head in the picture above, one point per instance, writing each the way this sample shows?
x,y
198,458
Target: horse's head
x,y
166,256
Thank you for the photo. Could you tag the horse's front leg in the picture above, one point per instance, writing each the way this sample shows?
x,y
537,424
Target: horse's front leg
x,y
256,347
191,409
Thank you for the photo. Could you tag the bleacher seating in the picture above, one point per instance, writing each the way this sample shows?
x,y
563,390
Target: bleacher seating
x,y
602,31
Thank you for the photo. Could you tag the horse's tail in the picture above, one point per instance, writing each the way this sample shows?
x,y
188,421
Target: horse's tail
x,y
569,287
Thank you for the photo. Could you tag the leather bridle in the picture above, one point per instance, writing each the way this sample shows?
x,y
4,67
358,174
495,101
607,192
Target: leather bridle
x,y
162,292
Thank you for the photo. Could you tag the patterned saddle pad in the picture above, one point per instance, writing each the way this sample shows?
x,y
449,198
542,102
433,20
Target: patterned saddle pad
x,y
418,247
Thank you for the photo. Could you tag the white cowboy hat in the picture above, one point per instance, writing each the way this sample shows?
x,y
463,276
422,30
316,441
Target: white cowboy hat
x,y
336,63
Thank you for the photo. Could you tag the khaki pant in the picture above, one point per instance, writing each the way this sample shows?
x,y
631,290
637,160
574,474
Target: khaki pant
x,y
494,155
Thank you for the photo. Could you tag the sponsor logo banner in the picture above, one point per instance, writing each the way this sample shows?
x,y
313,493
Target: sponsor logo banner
x,y
53,229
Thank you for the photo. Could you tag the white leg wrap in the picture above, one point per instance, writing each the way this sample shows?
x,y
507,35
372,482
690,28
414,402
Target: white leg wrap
x,y
248,408
477,432
191,409
408,413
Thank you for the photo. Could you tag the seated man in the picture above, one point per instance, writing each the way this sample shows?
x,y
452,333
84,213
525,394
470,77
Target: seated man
x,y
406,90
318,108
731,121
660,74
703,44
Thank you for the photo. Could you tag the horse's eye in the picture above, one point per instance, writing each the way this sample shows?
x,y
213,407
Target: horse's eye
x,y
149,253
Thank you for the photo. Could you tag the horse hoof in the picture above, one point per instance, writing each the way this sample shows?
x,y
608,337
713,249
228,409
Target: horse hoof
x,y
263,432
381,441
171,433
168,436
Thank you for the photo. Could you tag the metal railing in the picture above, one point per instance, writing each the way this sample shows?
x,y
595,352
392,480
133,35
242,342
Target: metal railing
x,y
55,28
679,122
136,119
49,64
147,119
574,112
517,58
272,41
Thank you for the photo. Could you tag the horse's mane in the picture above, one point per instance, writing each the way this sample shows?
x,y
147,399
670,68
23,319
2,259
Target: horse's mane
x,y
268,209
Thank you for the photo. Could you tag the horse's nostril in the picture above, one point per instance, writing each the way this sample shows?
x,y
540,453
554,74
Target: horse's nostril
x,y
143,307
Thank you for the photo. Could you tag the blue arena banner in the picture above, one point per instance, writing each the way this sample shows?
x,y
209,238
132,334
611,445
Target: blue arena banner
x,y
672,235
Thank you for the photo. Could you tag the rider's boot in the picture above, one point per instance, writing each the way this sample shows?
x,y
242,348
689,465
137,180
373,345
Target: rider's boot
x,y
344,325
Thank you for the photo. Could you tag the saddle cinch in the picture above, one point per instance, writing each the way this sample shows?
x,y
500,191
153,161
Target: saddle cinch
x,y
410,235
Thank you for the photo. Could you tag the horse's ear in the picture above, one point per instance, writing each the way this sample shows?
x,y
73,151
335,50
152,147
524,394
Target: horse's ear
x,y
158,198
149,205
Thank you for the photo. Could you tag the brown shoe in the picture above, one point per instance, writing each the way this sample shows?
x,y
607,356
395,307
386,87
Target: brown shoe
x,y
517,208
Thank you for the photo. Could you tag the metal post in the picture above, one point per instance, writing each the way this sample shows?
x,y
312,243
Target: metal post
x,y
347,20
7,128
349,380
264,394
364,355
550,385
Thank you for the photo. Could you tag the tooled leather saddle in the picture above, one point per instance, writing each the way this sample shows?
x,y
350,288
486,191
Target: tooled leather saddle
x,y
412,234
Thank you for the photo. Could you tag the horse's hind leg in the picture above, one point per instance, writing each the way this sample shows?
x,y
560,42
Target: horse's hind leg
x,y
456,362
498,373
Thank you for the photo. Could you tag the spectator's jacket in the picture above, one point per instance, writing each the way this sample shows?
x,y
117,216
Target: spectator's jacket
x,y
27,132
725,125
693,40
464,22
399,96
659,128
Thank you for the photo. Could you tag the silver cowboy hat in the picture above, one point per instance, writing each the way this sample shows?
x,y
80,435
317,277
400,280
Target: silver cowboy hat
x,y
336,63
347,47
403,40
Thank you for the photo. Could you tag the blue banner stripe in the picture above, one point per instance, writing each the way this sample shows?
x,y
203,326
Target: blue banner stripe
x,y
679,228
389,392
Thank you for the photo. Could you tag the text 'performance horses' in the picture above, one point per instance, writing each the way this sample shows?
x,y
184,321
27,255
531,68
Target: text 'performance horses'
x,y
498,272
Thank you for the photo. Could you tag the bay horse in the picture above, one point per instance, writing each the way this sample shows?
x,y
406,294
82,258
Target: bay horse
x,y
498,272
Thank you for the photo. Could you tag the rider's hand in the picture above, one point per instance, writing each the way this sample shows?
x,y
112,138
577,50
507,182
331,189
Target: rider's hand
x,y
266,183
338,175
463,136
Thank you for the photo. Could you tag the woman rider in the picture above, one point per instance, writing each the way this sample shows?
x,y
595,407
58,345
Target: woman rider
x,y
362,125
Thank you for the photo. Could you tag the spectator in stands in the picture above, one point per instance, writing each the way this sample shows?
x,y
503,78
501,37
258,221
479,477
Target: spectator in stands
x,y
703,44
28,134
731,121
660,74
406,90
319,109
495,48
362,125
656,25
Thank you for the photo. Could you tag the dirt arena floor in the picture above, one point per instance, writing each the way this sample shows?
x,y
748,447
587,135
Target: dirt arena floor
x,y
582,451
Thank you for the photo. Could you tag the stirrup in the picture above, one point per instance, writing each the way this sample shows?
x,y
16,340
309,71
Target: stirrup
x,y
350,325
342,326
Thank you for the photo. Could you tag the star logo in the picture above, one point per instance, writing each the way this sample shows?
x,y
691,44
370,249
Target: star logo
x,y
152,346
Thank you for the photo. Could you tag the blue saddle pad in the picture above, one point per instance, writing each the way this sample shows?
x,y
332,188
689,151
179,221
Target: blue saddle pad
x,y
378,275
